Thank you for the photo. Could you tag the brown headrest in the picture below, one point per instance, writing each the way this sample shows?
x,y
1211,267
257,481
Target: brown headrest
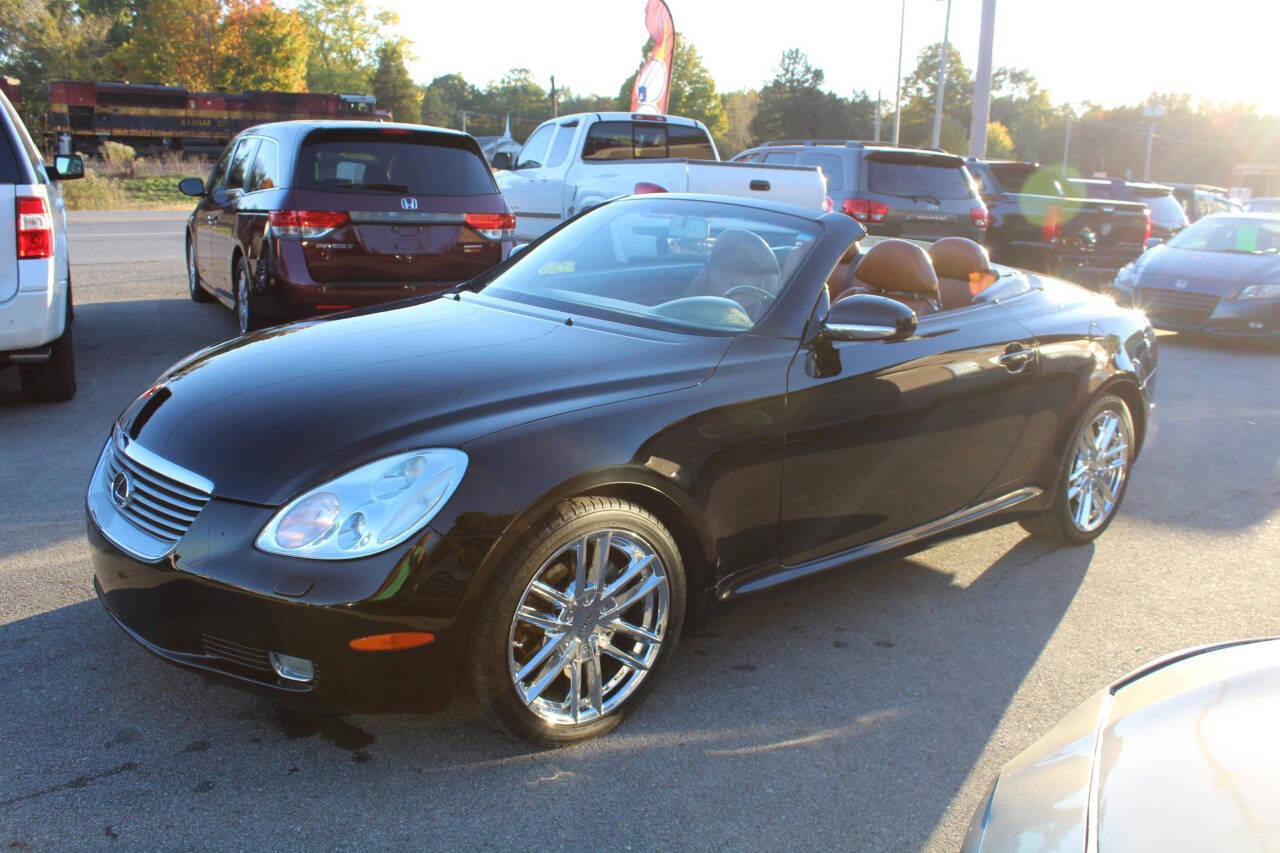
x,y
956,257
741,251
899,267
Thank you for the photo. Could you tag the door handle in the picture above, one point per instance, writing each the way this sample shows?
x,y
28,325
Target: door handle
x,y
1016,357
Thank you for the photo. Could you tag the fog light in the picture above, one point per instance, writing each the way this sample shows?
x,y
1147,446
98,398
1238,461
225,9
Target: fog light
x,y
292,669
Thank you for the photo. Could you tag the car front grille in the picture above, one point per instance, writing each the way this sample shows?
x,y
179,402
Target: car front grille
x,y
159,503
1177,308
236,653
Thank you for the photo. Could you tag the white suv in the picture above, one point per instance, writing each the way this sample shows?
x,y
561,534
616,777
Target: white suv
x,y
35,279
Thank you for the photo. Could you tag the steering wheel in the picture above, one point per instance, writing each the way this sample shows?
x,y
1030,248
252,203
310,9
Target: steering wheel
x,y
758,292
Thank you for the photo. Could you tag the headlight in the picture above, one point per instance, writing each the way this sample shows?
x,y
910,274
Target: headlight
x,y
367,510
1259,291
1126,274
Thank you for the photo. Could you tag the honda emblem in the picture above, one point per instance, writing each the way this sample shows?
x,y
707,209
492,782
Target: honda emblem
x,y
409,203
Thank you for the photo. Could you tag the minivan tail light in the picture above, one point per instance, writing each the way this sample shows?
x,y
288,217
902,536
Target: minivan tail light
x,y
493,226
1051,229
979,216
646,188
307,224
35,228
1147,234
865,210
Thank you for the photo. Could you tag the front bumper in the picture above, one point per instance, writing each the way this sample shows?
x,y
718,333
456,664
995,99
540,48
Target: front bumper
x,y
1225,318
220,611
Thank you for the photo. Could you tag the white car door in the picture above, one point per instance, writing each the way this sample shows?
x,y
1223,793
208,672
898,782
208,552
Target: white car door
x,y
549,193
520,185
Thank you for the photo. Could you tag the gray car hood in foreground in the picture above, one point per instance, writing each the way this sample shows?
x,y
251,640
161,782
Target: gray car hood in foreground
x,y
1181,755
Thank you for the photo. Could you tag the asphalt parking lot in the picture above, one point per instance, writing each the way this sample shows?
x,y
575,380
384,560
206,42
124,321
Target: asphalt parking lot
x,y
866,709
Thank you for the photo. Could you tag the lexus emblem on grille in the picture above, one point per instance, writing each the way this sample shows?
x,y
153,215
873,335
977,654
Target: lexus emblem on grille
x,y
1181,284
409,203
121,490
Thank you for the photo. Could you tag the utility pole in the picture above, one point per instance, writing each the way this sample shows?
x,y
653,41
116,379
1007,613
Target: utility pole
x,y
1151,112
942,82
897,91
555,107
982,83
464,120
877,115
1066,146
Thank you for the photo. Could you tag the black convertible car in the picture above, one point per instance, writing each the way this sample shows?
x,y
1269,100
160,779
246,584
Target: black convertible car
x,y
532,483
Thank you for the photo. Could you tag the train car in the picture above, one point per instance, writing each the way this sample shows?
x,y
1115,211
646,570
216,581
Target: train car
x,y
151,117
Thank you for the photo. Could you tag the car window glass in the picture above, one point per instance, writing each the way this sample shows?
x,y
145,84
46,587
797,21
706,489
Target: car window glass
x,y
832,165
1240,236
650,141
534,152
220,168
28,146
691,143
406,162
560,148
265,172
747,158
666,263
240,163
780,157
1165,210
906,179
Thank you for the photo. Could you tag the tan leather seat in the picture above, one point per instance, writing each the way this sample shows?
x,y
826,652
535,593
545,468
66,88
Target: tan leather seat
x,y
899,270
739,258
963,268
842,276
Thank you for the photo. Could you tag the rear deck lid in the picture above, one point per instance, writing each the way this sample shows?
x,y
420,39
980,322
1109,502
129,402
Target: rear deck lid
x,y
394,204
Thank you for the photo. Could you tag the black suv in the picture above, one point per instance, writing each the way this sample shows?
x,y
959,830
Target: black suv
x,y
1167,215
892,190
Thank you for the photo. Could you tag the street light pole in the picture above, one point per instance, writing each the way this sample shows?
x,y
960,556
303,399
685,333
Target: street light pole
x,y
897,91
982,83
942,82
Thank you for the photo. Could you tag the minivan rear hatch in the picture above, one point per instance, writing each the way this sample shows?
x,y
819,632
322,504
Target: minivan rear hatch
x,y
929,195
395,205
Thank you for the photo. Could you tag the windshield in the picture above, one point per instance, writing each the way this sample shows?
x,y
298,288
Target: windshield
x,y
1243,236
669,263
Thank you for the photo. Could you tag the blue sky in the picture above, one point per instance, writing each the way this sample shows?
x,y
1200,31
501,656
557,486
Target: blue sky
x,y
1109,51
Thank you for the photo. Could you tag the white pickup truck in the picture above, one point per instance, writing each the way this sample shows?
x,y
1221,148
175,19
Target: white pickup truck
x,y
575,162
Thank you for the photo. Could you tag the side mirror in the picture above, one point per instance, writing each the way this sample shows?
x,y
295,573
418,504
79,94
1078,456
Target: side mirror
x,y
67,167
1151,243
501,160
867,317
191,186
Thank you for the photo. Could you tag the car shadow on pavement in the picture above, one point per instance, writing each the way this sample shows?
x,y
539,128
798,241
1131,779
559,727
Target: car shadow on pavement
x,y
846,710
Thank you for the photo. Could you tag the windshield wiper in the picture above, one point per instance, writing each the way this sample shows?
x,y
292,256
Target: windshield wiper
x,y
391,188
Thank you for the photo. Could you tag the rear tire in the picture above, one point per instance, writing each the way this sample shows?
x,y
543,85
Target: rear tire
x,y
581,650
52,381
248,314
1090,473
197,293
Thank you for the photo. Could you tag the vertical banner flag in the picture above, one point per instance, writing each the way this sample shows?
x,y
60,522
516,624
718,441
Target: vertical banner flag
x,y
653,80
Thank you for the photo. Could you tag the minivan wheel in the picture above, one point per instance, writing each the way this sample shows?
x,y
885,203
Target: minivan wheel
x,y
197,293
573,628
247,313
54,380
1094,477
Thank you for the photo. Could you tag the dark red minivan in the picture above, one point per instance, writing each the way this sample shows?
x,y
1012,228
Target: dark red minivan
x,y
302,218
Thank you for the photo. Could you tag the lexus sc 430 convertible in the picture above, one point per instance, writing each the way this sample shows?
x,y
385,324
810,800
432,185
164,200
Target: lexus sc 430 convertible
x,y
532,483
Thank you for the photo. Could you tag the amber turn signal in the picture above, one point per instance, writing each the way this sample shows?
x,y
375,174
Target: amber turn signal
x,y
392,642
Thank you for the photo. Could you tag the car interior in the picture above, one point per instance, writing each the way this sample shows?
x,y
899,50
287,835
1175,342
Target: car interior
x,y
951,274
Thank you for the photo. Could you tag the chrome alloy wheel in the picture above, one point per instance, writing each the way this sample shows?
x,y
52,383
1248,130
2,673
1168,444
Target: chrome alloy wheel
x,y
1098,470
193,283
242,296
589,627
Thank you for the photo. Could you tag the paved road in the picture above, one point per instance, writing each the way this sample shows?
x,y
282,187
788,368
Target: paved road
x,y
867,709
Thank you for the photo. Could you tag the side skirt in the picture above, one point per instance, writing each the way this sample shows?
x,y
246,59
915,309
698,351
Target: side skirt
x,y
753,582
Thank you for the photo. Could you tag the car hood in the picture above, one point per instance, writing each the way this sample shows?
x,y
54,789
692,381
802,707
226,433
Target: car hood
x,y
1176,756
1216,273
270,414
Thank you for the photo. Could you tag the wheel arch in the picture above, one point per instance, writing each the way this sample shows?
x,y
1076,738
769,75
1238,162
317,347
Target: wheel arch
x,y
1126,388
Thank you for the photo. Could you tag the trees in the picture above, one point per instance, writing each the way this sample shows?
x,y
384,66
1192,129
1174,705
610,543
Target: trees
x,y
693,91
345,35
392,85
739,110
794,105
267,49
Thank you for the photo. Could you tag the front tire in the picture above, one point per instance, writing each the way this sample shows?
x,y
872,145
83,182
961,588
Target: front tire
x,y
573,628
248,314
54,380
1094,477
196,292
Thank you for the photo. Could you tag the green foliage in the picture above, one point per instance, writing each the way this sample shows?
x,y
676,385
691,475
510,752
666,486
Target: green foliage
x,y
344,38
999,143
392,85
94,192
693,91
43,41
793,105
118,156
739,109
445,98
